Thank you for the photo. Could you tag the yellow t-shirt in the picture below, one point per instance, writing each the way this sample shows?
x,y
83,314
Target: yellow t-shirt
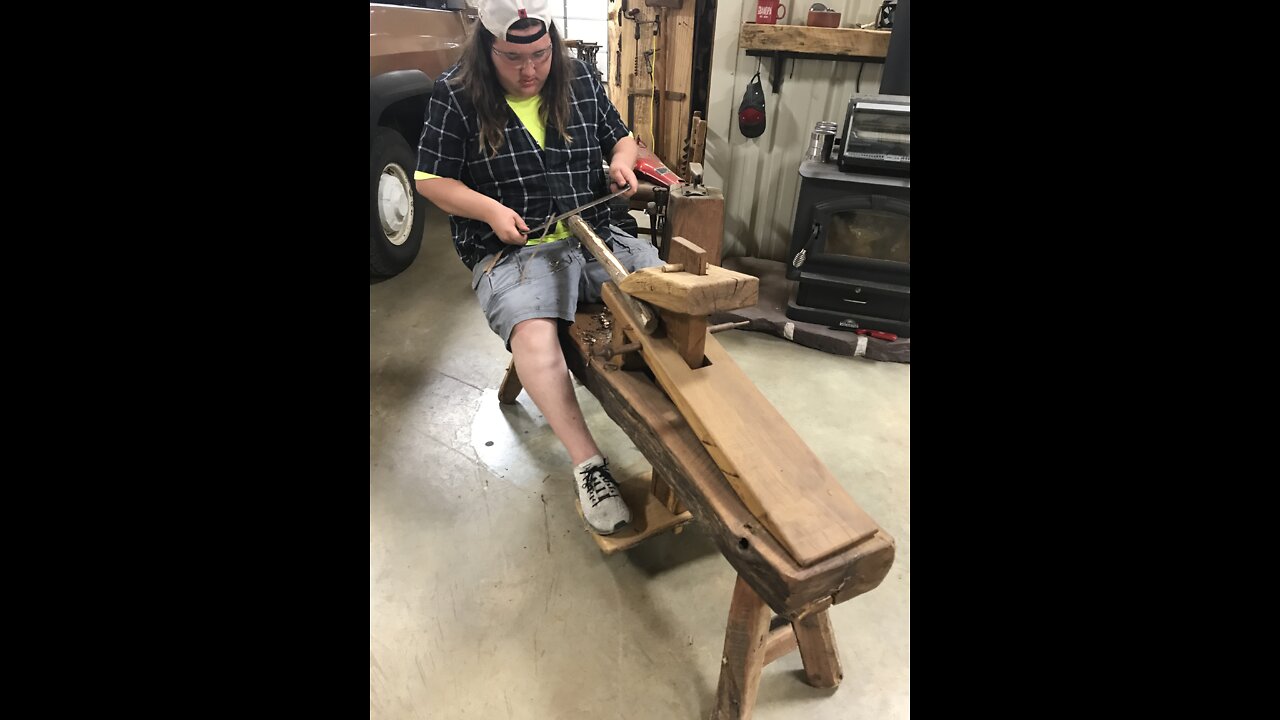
x,y
527,111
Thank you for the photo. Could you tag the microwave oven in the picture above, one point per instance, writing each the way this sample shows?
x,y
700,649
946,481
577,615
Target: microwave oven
x,y
877,135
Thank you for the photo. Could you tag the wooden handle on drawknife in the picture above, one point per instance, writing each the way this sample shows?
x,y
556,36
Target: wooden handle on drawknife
x,y
596,246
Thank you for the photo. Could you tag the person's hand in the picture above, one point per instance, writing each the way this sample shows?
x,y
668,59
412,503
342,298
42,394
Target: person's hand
x,y
509,226
620,173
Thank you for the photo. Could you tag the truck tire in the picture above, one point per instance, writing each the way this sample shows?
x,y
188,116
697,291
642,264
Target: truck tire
x,y
397,213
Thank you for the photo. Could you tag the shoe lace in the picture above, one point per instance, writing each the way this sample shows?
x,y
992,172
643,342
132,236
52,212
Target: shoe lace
x,y
599,484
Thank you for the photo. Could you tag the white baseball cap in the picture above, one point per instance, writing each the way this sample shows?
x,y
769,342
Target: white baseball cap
x,y
498,16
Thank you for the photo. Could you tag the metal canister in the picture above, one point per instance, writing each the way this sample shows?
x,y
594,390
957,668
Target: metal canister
x,y
820,141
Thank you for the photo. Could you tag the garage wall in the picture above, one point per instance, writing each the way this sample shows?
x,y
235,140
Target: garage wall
x,y
759,176
585,20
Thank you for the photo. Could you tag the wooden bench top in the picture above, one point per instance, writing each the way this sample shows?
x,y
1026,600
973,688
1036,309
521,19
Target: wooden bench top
x,y
659,430
775,473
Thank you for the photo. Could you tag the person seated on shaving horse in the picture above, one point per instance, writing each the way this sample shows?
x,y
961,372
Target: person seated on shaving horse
x,y
516,133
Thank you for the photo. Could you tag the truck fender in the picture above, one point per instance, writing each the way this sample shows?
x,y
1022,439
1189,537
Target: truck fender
x,y
389,88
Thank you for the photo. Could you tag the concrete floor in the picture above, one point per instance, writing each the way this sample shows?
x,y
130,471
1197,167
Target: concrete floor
x,y
487,596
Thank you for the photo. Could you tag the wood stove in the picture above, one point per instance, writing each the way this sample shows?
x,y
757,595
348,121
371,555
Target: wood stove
x,y
851,250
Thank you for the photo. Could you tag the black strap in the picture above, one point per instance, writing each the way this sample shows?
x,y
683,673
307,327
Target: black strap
x,y
526,39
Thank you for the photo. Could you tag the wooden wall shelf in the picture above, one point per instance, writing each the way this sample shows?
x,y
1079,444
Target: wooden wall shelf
x,y
799,42
828,43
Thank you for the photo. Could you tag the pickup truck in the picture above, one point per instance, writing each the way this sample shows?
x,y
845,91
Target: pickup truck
x,y
409,46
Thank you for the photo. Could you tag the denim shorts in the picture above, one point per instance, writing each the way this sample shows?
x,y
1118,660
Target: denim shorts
x,y
550,279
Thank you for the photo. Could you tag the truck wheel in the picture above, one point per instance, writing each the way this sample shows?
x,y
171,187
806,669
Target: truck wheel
x,y
397,214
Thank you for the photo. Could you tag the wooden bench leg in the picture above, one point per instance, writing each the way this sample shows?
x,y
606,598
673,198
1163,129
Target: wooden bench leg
x,y
754,638
745,639
818,650
510,387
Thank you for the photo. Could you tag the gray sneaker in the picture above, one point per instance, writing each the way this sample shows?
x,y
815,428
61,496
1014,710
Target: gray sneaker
x,y
598,493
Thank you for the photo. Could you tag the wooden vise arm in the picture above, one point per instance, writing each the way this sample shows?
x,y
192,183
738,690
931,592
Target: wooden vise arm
x,y
647,318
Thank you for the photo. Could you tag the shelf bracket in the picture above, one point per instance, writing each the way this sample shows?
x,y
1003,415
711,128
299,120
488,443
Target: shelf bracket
x,y
776,74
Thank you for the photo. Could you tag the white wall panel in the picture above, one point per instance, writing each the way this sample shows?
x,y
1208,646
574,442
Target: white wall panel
x,y
759,176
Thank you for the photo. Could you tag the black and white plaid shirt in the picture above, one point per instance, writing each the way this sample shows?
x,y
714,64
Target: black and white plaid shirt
x,y
535,182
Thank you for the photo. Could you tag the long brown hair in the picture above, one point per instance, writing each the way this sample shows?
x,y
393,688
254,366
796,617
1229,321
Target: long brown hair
x,y
477,75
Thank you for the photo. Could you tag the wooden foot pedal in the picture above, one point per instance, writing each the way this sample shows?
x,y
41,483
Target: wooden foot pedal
x,y
649,516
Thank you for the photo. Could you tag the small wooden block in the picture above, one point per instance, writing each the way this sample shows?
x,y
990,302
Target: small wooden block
x,y
661,489
648,516
692,257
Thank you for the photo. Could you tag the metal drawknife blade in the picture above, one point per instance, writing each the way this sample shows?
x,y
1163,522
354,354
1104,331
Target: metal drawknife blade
x,y
551,223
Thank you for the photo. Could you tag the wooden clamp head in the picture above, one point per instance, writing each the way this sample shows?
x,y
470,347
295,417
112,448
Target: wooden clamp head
x,y
698,288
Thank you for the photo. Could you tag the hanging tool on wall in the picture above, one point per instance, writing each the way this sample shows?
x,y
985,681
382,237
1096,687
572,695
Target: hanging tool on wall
x,y
617,66
641,84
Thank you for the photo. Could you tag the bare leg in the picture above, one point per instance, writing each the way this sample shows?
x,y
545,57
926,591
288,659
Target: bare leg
x,y
535,348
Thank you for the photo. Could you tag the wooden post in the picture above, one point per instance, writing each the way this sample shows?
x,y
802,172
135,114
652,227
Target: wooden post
x,y
745,639
750,644
675,50
818,650
696,217
688,332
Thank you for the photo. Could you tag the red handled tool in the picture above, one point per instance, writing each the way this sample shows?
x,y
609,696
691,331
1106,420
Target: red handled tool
x,y
648,165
